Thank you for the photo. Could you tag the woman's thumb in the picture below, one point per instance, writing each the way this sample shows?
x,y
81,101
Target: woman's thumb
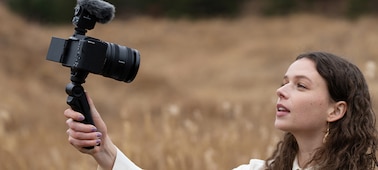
x,y
99,123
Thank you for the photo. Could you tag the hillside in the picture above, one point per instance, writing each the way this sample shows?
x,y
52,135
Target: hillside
x,y
203,98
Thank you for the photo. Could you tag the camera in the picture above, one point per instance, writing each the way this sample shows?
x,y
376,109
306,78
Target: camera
x,y
92,55
86,55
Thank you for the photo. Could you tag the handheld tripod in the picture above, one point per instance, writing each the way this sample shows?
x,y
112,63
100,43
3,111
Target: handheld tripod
x,y
77,98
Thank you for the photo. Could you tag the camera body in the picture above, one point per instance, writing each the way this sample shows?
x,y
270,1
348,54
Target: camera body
x,y
84,53
88,54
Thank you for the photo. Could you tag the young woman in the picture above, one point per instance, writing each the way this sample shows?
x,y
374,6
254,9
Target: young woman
x,y
323,106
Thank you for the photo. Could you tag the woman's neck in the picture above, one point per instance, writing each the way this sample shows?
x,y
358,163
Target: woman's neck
x,y
304,159
307,146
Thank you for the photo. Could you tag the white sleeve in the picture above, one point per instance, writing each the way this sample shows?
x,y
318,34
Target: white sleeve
x,y
254,164
124,163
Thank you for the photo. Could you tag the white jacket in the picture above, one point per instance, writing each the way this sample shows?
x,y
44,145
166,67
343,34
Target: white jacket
x,y
122,162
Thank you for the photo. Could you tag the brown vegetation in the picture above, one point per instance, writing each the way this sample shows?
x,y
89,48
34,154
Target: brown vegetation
x,y
204,96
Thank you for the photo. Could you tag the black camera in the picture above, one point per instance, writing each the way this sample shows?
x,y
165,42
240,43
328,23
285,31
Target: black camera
x,y
86,55
93,55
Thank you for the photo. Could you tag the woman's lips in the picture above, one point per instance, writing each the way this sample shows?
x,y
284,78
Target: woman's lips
x,y
281,110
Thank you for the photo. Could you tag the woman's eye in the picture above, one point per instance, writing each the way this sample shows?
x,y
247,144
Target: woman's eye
x,y
301,86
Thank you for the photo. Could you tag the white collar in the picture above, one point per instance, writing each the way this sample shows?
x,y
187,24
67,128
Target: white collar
x,y
296,165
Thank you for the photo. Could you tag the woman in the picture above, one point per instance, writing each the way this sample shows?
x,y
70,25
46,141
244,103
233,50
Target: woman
x,y
323,106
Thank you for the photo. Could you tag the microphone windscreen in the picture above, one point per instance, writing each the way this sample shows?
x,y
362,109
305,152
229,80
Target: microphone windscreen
x,y
103,10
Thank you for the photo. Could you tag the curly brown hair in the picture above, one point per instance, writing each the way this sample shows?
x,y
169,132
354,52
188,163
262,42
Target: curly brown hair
x,y
352,140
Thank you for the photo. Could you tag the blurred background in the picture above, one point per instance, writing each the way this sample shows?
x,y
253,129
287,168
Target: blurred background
x,y
204,97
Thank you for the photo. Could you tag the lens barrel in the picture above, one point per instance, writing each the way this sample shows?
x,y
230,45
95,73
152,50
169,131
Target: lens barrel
x,y
121,63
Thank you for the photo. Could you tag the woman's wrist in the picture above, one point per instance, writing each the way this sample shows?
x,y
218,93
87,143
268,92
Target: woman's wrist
x,y
106,156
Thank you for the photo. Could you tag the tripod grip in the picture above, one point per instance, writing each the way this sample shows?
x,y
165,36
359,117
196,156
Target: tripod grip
x,y
81,107
79,102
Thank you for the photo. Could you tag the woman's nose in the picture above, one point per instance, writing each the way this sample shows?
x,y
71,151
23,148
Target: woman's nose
x,y
281,92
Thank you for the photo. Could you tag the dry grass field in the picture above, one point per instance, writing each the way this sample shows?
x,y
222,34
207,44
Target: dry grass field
x,y
204,96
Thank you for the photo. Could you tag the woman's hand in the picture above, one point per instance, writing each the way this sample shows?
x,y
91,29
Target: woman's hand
x,y
82,135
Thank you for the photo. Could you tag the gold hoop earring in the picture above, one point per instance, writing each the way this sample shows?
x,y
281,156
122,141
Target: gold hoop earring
x,y
326,134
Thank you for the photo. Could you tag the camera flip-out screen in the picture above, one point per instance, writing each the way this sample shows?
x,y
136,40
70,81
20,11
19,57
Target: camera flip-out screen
x,y
56,49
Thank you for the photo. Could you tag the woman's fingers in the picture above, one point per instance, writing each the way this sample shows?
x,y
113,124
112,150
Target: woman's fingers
x,y
69,113
80,127
78,143
84,136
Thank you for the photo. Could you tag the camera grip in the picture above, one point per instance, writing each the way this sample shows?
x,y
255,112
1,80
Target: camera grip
x,y
79,102
78,107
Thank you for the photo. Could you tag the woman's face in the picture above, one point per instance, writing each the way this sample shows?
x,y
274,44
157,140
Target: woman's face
x,y
303,100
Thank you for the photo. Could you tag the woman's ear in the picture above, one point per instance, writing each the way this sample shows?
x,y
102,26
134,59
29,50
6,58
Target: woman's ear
x,y
339,111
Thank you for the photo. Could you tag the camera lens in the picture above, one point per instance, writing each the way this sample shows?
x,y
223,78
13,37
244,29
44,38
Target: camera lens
x,y
121,63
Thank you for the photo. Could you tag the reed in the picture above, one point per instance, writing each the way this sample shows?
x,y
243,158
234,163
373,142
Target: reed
x,y
204,97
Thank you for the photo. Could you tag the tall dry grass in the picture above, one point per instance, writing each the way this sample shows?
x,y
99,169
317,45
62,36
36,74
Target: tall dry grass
x,y
203,99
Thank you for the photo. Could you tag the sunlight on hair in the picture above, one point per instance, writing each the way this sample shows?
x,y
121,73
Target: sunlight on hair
x,y
4,119
370,69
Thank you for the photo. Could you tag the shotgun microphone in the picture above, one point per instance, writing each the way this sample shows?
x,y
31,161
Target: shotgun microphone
x,y
102,10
